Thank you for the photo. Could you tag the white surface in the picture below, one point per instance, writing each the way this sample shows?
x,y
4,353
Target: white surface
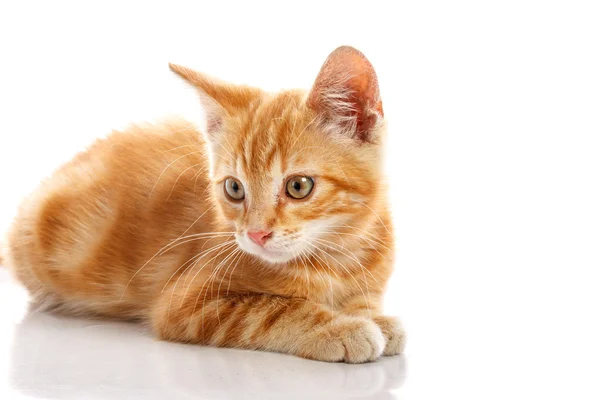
x,y
494,166
53,357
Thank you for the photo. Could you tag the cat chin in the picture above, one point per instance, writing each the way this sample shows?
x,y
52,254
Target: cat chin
x,y
272,257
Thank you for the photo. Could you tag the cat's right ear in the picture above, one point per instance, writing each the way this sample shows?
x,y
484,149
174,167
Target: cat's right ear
x,y
219,99
346,96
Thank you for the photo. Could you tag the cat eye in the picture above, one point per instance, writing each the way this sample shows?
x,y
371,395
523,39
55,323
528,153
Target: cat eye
x,y
234,189
298,187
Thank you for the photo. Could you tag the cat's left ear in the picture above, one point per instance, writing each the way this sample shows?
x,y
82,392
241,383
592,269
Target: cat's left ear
x,y
346,96
219,99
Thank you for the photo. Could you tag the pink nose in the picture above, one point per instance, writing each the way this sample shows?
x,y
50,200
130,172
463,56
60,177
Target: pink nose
x,y
259,237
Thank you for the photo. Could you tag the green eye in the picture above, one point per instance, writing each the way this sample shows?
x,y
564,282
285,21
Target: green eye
x,y
234,189
298,187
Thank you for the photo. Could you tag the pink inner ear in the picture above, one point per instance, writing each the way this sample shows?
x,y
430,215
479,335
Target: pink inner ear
x,y
346,89
214,121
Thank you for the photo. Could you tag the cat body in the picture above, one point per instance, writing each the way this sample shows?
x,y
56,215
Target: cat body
x,y
270,230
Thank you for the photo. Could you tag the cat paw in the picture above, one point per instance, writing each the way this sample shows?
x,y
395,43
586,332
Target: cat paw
x,y
347,339
392,330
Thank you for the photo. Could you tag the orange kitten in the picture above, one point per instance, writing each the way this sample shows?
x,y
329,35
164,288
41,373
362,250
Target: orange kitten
x,y
270,231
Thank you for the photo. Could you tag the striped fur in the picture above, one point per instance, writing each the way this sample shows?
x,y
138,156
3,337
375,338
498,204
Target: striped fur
x,y
139,227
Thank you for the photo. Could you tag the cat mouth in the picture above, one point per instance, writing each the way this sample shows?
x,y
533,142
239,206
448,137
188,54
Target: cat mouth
x,y
270,255
273,255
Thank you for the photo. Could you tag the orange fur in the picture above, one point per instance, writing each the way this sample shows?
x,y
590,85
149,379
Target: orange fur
x,y
139,226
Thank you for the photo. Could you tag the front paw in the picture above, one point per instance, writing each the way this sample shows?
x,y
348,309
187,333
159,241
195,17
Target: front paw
x,y
348,339
394,334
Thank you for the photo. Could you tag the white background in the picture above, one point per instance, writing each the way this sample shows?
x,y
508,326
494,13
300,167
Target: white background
x,y
494,147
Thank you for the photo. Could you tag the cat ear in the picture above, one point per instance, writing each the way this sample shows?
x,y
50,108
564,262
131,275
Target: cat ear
x,y
346,95
219,99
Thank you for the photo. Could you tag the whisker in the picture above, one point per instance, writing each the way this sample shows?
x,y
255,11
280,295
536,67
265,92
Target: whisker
x,y
211,278
232,158
236,253
329,276
192,240
177,180
226,248
348,254
239,258
159,252
367,298
305,148
378,217
296,255
373,243
192,259
196,220
199,257
180,147
189,273
300,134
375,237
196,177
306,272
167,167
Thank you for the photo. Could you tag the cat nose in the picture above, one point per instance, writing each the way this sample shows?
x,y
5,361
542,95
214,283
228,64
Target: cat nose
x,y
260,237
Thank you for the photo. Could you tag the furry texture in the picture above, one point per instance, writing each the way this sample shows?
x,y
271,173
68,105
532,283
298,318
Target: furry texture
x,y
140,227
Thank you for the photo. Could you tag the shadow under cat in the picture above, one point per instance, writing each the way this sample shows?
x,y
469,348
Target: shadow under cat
x,y
67,358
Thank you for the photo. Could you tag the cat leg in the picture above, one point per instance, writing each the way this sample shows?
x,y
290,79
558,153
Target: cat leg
x,y
263,322
391,327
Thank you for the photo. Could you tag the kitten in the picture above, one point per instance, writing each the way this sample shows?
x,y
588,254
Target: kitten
x,y
269,231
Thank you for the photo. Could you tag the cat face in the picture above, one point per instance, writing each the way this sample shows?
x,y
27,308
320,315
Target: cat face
x,y
292,171
284,183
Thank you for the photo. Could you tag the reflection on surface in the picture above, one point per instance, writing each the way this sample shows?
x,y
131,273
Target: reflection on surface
x,y
67,358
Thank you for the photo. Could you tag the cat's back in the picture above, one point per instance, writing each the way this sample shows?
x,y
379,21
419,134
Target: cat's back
x,y
108,207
